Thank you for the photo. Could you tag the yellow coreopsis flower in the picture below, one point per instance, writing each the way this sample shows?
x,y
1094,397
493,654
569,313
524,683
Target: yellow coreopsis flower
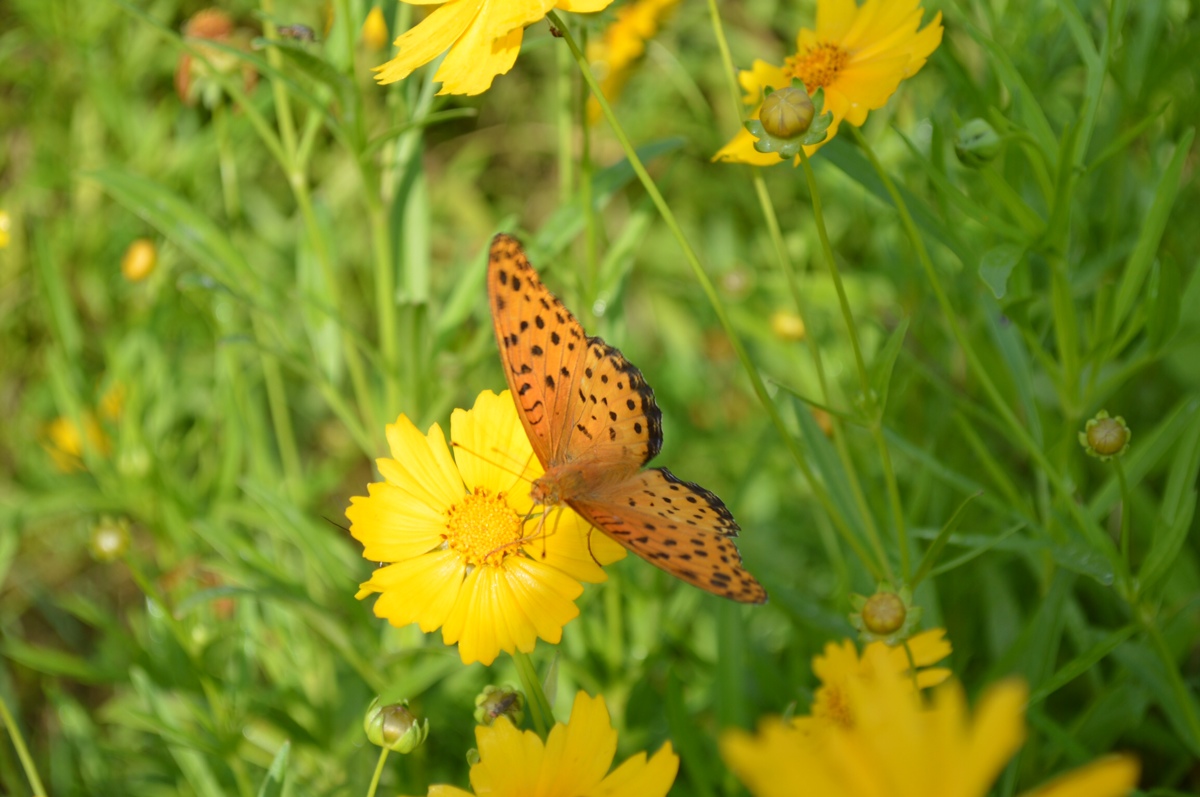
x,y
840,665
571,763
483,37
65,441
857,54
623,43
900,747
467,552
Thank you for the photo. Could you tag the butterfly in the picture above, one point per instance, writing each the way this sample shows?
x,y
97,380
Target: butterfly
x,y
593,424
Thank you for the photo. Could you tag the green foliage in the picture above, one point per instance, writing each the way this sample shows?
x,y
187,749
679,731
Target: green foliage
x,y
321,270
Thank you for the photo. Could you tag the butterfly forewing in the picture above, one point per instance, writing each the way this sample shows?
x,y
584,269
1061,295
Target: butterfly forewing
x,y
541,346
677,526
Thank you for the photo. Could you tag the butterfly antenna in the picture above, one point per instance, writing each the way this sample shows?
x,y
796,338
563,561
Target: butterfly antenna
x,y
519,474
591,530
337,525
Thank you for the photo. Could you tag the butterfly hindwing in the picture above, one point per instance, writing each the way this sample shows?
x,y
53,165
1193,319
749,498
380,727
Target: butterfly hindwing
x,y
677,526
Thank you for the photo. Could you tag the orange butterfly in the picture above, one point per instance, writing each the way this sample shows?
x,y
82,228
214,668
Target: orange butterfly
x,y
593,423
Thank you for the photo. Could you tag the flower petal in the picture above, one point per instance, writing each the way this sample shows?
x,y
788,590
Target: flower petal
x,y
1112,776
545,595
997,732
564,540
421,590
637,777
583,6
392,525
478,57
491,447
834,19
510,761
428,39
422,465
580,752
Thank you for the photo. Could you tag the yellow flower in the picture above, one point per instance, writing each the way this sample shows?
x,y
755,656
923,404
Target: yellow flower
x,y
468,555
857,54
65,442
483,36
5,229
374,29
571,763
899,747
623,43
840,666
139,260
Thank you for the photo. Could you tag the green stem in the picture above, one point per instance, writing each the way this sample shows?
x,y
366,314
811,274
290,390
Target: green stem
x,y
869,399
714,14
227,163
710,292
539,706
564,119
383,756
1126,511
281,419
31,773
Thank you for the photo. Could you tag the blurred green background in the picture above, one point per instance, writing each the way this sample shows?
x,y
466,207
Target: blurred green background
x,y
221,411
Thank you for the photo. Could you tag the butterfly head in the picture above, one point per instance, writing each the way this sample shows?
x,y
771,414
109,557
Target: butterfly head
x,y
556,486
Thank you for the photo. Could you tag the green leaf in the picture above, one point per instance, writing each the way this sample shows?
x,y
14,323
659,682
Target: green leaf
x,y
997,264
1166,297
935,549
1152,228
1082,663
697,758
885,362
273,783
826,464
1177,509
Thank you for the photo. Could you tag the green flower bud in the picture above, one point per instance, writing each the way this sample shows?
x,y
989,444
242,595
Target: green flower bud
x,y
110,539
1104,437
497,701
977,143
788,120
786,113
394,727
887,616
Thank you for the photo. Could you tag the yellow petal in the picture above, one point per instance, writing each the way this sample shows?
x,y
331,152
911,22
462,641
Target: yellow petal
x,y
637,777
1112,776
429,39
393,526
834,19
421,590
503,16
758,78
476,59
491,448
580,752
564,540
544,595
447,791
997,732
740,149
583,6
929,647
510,761
422,465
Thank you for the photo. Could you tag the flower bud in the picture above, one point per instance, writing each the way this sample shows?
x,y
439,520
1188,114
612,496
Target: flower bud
x,y
139,260
977,143
1104,437
394,727
374,30
499,701
109,539
887,616
787,113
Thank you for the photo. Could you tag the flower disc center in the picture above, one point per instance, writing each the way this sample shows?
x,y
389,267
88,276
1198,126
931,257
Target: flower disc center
x,y
482,527
818,65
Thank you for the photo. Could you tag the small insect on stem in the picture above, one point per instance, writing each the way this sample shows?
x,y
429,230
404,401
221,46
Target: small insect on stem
x,y
555,32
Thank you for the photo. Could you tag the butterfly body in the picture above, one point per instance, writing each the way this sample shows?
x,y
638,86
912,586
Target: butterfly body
x,y
593,423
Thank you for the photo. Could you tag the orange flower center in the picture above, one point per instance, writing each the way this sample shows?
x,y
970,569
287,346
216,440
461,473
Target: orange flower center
x,y
483,528
832,705
817,66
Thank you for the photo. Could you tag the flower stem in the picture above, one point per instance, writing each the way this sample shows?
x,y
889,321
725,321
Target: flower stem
x,y
869,399
383,755
714,300
539,705
18,741
1126,511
